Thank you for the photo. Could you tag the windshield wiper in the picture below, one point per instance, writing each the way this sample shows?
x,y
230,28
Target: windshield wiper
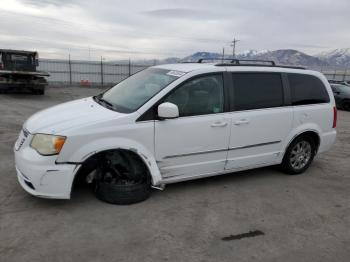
x,y
100,100
106,102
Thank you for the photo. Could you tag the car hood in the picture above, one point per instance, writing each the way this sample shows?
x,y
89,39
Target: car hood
x,y
77,113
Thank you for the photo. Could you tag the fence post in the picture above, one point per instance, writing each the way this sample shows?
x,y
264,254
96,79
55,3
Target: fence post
x,y
129,67
345,73
101,72
70,70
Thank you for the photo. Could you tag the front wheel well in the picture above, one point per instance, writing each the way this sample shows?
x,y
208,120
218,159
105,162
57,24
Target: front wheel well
x,y
92,163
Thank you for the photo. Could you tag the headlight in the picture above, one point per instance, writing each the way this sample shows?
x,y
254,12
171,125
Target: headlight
x,y
47,144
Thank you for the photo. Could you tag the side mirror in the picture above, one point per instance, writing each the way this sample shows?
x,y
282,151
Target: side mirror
x,y
168,111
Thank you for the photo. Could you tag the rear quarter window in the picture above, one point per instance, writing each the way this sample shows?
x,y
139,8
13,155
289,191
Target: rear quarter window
x,y
307,89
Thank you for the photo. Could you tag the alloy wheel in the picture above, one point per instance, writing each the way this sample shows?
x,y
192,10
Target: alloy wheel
x,y
300,155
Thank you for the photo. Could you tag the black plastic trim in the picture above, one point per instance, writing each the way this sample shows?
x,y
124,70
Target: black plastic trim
x,y
223,149
29,184
228,91
255,145
286,90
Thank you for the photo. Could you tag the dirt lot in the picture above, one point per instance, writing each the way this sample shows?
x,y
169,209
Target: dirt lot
x,y
297,218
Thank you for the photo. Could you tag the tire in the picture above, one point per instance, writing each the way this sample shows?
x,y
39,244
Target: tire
x,y
304,157
39,92
346,105
122,194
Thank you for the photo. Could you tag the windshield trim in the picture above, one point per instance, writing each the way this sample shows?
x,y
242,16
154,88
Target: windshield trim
x,y
106,104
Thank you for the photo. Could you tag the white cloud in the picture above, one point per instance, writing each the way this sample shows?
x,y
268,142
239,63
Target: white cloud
x,y
161,28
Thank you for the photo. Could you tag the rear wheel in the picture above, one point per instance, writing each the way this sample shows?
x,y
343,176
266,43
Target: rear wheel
x,y
299,155
38,91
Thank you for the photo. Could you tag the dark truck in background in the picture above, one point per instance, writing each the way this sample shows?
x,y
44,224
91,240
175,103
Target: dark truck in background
x,y
18,72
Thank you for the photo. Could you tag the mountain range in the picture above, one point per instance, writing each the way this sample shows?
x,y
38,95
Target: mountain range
x,y
337,57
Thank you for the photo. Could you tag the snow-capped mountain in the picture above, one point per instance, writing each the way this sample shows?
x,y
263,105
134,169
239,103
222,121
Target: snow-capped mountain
x,y
284,57
201,55
291,57
336,57
250,54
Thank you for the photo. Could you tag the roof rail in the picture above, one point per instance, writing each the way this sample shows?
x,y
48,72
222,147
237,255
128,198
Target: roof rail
x,y
238,61
262,65
213,59
244,62
249,62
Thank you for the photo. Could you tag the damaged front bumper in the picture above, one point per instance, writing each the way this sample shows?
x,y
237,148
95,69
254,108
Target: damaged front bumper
x,y
41,176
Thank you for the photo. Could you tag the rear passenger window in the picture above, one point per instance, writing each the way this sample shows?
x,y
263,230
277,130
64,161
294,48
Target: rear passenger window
x,y
257,90
307,89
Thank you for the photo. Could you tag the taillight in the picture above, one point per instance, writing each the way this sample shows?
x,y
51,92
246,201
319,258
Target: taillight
x,y
335,115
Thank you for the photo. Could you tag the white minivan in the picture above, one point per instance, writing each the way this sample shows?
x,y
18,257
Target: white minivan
x,y
177,122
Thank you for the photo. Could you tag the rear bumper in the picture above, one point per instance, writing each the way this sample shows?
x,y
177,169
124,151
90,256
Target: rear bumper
x,y
327,141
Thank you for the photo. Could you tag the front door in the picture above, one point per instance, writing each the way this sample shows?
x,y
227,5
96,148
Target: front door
x,y
195,143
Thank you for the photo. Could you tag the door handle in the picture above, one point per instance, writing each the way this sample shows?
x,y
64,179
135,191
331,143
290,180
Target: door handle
x,y
219,124
242,122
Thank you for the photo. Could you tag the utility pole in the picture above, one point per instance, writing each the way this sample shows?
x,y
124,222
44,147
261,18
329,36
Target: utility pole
x,y
70,70
223,55
101,71
233,44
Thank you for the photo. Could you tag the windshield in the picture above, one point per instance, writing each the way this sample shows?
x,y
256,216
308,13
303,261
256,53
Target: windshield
x,y
130,94
342,88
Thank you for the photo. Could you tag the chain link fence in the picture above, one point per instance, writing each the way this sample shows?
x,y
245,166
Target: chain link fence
x,y
334,73
100,73
74,72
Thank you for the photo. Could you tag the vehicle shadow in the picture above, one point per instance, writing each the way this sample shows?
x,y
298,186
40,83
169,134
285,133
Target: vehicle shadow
x,y
83,194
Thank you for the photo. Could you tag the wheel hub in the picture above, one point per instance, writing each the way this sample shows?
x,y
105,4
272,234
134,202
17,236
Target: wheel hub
x,y
300,155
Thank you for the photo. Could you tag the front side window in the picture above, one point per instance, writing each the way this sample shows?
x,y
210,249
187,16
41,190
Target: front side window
x,y
257,90
130,94
18,57
200,96
307,89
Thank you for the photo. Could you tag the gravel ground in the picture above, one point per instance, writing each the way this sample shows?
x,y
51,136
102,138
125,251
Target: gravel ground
x,y
257,215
